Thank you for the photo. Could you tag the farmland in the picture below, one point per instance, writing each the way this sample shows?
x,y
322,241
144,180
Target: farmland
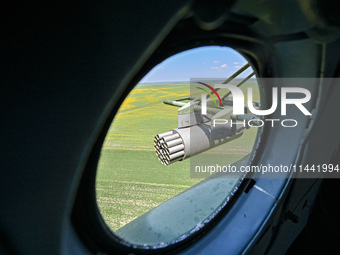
x,y
130,179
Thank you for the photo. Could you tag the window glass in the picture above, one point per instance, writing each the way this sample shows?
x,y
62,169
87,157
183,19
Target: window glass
x,y
145,188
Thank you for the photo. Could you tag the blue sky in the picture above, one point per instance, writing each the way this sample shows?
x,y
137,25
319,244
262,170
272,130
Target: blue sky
x,y
203,62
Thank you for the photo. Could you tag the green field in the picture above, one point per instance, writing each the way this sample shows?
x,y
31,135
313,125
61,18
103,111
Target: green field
x,y
130,179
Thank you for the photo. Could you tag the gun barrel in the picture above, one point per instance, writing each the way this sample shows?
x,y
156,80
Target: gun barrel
x,y
174,103
181,143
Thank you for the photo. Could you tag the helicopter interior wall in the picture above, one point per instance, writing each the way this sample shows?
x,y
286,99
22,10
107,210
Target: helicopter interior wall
x,y
65,68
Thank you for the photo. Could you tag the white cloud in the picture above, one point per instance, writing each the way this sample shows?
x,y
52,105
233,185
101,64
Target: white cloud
x,y
224,66
236,63
214,67
216,62
237,66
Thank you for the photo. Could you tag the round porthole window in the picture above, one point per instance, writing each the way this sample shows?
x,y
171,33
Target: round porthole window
x,y
158,178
